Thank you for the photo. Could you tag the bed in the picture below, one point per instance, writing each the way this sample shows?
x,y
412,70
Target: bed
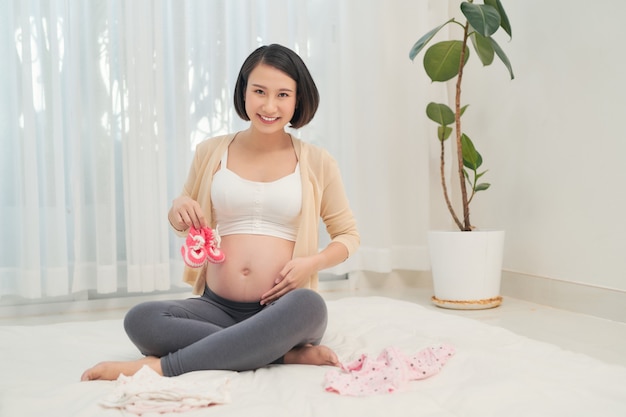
x,y
493,372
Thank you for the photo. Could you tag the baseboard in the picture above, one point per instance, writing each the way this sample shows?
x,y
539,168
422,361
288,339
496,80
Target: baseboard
x,y
82,304
580,298
585,299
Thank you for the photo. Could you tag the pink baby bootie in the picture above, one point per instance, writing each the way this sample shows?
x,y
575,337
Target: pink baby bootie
x,y
202,245
214,253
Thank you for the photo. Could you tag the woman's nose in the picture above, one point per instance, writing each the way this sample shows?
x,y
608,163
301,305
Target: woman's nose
x,y
269,105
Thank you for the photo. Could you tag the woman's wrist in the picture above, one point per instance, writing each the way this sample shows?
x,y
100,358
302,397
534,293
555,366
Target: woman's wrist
x,y
334,254
320,261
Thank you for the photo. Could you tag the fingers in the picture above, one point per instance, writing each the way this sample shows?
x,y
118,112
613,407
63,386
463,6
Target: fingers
x,y
290,277
281,288
272,295
188,213
269,298
192,216
198,219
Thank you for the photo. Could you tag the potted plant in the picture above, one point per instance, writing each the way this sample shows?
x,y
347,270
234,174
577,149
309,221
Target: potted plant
x,y
455,284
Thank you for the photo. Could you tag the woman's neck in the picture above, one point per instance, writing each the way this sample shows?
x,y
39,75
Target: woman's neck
x,y
256,140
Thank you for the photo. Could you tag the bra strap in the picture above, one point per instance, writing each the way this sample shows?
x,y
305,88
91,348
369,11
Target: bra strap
x,y
224,160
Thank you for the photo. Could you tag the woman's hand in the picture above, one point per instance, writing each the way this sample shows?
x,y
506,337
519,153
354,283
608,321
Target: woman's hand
x,y
186,212
298,270
292,276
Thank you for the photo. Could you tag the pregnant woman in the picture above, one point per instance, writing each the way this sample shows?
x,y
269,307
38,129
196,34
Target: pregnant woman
x,y
264,192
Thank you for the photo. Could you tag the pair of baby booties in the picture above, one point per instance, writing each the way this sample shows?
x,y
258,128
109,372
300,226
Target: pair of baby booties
x,y
202,245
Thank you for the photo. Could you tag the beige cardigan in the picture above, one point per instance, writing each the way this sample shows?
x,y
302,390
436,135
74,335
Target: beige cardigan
x,y
323,195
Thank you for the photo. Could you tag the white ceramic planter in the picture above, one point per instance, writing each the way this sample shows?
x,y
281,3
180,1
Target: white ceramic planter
x,y
466,268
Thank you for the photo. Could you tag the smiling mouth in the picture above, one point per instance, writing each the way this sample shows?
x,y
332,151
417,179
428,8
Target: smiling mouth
x,y
268,119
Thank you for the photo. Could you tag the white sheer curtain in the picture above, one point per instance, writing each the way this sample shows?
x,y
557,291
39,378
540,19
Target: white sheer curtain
x,y
102,104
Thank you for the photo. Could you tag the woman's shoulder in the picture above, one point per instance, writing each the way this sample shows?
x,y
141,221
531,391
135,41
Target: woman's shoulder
x,y
313,154
210,144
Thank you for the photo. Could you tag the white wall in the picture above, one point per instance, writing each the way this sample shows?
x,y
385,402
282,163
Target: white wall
x,y
553,141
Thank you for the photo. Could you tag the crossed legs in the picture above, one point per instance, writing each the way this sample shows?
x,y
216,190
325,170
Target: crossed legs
x,y
213,333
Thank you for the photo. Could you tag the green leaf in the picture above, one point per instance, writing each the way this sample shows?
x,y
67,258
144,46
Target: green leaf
x,y
440,113
472,161
421,42
443,132
484,19
471,157
464,108
441,61
482,186
504,20
502,56
478,175
483,48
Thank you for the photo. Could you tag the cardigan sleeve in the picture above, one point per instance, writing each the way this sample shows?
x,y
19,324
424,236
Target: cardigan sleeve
x,y
188,186
204,164
198,186
335,208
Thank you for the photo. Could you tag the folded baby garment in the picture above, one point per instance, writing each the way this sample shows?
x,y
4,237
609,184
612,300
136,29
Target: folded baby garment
x,y
389,372
148,392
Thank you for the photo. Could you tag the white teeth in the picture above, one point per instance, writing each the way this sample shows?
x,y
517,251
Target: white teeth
x,y
269,119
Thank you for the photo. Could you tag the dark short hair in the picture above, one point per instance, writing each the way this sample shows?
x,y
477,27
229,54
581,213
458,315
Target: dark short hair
x,y
287,61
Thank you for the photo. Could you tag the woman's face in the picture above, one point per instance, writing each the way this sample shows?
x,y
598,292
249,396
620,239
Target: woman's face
x,y
270,98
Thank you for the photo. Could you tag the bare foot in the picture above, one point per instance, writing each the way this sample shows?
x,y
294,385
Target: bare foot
x,y
110,371
311,355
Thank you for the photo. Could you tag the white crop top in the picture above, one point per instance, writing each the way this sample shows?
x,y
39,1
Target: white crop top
x,y
259,208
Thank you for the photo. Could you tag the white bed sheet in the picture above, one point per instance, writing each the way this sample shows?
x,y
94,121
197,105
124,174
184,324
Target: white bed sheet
x,y
494,372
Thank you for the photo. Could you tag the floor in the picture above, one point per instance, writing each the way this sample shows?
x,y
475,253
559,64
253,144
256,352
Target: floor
x,y
596,337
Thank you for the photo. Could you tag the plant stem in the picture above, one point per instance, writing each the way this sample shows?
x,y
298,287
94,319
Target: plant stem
x,y
445,187
457,111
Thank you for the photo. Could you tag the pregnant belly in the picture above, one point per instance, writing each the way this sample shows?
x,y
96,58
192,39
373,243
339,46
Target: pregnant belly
x,y
252,265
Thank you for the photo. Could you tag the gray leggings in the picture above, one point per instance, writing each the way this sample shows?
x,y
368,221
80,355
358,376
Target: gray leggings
x,y
213,333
